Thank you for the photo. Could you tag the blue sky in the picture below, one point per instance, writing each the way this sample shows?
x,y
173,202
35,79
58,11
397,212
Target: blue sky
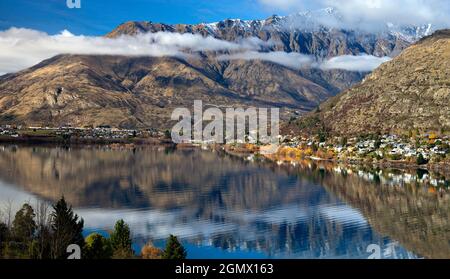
x,y
97,17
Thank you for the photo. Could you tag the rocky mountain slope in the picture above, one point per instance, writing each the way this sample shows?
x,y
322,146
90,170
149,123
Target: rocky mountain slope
x,y
411,92
141,92
301,32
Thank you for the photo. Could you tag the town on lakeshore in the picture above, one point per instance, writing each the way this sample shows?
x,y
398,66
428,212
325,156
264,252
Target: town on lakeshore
x,y
413,150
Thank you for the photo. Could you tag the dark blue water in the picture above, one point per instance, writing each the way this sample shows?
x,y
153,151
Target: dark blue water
x,y
226,207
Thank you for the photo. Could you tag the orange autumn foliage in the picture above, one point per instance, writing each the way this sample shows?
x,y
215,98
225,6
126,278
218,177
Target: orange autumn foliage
x,y
150,252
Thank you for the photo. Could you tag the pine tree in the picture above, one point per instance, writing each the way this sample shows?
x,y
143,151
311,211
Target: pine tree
x,y
67,229
121,240
174,250
4,232
4,235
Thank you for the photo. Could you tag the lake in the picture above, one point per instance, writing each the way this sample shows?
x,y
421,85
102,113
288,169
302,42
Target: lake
x,y
228,207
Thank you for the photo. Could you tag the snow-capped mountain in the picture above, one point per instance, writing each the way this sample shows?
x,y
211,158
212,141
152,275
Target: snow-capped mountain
x,y
323,19
321,33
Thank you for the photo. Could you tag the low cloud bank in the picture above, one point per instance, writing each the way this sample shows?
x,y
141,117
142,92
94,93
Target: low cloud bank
x,y
22,48
354,63
292,60
359,63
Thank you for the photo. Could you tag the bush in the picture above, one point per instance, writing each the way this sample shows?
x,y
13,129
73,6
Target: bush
x,y
121,254
4,233
97,247
150,252
16,250
421,160
395,157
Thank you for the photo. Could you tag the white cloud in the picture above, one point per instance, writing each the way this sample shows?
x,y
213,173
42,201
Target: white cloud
x,y
359,63
22,48
374,13
292,60
354,63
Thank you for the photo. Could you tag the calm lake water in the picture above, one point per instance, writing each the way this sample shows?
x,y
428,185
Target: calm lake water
x,y
228,207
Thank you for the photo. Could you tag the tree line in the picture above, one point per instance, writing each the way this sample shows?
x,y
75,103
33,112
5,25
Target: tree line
x,y
38,235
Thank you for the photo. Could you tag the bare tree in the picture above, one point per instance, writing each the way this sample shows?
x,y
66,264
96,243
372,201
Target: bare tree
x,y
8,213
42,216
43,232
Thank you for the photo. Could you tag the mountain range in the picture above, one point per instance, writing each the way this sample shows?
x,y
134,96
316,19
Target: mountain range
x,y
141,92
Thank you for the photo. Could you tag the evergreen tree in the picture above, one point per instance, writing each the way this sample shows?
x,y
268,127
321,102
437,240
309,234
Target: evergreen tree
x,y
121,240
323,136
421,160
174,250
343,141
67,229
97,247
4,234
24,225
167,134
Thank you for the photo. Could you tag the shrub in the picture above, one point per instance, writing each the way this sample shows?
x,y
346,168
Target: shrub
x,y
421,160
97,247
4,233
151,252
395,157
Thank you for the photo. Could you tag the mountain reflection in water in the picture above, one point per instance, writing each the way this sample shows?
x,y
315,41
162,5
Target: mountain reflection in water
x,y
223,206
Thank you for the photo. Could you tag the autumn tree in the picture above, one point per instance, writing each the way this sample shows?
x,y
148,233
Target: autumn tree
x,y
150,252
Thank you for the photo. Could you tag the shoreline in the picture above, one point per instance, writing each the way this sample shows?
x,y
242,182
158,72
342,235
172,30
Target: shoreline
x,y
49,140
239,151
388,164
385,164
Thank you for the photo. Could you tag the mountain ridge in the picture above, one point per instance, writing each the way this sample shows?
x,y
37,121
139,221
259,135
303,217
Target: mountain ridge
x,y
301,32
410,93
